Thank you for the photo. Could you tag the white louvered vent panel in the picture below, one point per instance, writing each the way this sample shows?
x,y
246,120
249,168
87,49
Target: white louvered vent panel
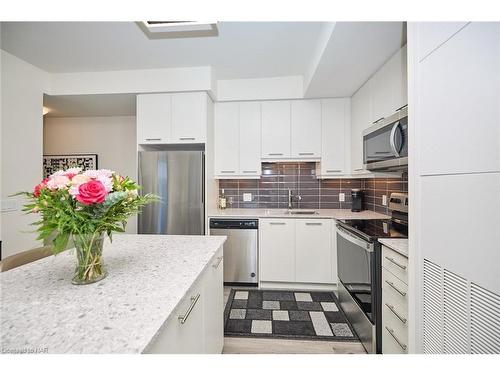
x,y
456,314
432,308
485,320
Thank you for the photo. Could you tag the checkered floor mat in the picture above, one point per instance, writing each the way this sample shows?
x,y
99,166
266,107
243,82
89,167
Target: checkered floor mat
x,y
286,314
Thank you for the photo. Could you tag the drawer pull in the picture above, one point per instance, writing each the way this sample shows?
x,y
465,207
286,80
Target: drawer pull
x,y
184,318
380,119
333,170
276,223
391,284
306,153
393,261
391,332
249,171
219,260
390,307
187,138
314,223
400,108
153,139
227,171
275,154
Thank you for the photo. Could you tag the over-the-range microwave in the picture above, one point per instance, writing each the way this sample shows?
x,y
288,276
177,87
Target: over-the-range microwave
x,y
385,144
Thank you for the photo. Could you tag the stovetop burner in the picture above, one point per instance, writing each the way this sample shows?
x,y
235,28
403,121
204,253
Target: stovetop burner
x,y
374,229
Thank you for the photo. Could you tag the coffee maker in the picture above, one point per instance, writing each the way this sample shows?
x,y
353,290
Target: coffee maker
x,y
357,200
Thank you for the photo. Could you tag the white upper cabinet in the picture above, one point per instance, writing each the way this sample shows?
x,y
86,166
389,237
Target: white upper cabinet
x,y
306,129
250,139
154,118
227,135
189,117
399,89
171,118
335,137
360,120
459,97
389,86
237,140
381,93
276,130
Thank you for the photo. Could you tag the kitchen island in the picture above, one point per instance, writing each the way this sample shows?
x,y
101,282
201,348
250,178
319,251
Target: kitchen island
x,y
153,282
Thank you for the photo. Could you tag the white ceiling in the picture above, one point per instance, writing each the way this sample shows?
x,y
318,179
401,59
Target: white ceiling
x,y
242,49
90,105
354,52
336,58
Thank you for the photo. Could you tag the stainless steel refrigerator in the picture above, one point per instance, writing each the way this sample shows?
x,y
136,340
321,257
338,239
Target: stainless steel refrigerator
x,y
177,177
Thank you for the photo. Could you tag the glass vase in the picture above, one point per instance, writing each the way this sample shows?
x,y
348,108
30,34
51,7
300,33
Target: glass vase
x,y
89,265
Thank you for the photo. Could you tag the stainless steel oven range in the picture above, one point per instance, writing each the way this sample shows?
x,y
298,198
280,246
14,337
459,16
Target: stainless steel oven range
x,y
359,269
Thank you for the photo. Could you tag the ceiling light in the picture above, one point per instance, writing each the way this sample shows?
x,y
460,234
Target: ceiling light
x,y
178,29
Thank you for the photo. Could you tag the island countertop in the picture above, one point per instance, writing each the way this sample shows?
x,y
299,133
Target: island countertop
x,y
148,275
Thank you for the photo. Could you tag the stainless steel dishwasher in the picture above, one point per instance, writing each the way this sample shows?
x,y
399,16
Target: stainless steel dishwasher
x,y
240,249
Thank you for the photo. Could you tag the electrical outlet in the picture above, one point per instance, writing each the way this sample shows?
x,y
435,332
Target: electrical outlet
x,y
384,200
342,197
247,197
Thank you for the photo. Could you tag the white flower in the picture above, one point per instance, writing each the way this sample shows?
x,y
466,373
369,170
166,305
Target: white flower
x,y
107,182
58,182
57,173
73,170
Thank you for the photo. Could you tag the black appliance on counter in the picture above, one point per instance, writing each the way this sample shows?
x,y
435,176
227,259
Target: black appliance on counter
x,y
360,269
357,196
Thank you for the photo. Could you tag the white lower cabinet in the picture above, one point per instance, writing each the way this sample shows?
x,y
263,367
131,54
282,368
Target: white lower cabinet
x,y
277,249
196,324
313,255
394,302
297,251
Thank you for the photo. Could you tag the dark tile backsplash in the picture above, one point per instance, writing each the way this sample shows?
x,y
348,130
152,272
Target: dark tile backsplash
x,y
271,191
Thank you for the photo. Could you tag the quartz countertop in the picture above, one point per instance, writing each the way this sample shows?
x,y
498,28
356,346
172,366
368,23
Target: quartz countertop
x,y
397,244
282,213
148,275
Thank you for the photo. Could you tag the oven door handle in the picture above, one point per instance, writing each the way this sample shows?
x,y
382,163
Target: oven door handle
x,y
367,246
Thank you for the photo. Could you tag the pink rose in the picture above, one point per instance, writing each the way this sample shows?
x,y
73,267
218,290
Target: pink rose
x,y
91,192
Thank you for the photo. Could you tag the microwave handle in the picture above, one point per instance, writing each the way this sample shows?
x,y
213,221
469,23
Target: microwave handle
x,y
393,139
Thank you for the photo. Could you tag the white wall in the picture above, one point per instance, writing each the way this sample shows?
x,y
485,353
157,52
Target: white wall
x,y
22,88
113,139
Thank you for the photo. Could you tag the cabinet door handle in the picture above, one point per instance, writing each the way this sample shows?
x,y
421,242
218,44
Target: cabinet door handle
x,y
380,119
227,171
249,171
333,170
306,153
184,318
153,139
275,154
358,169
219,260
391,332
400,108
393,261
390,307
314,223
391,284
187,138
276,223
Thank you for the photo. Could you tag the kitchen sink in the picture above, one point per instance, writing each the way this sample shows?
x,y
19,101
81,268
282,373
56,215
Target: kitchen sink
x,y
302,212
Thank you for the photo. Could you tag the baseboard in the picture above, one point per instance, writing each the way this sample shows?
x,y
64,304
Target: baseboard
x,y
298,286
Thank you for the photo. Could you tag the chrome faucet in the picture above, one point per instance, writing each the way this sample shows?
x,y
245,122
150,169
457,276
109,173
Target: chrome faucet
x,y
291,197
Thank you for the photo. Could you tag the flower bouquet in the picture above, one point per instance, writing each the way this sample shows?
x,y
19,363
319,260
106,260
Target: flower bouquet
x,y
86,207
